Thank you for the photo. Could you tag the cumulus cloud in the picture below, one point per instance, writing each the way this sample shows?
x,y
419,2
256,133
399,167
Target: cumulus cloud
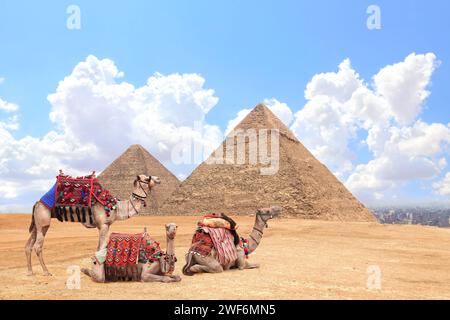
x,y
404,85
341,107
93,106
8,106
96,115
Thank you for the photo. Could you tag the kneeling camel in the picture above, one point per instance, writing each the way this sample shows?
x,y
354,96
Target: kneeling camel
x,y
197,264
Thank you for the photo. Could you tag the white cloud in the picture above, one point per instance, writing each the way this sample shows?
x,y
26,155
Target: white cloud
x,y
96,116
443,187
2,80
339,85
92,106
404,84
341,107
8,106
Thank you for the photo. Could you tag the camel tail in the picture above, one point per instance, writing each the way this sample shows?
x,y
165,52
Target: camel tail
x,y
189,264
32,225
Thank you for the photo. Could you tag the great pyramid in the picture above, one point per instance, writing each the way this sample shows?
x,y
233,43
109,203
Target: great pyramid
x,y
302,186
119,177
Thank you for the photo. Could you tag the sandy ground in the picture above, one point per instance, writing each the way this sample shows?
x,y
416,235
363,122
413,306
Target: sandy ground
x,y
299,259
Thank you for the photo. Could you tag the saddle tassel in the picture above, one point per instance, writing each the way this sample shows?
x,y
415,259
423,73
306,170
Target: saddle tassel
x,y
71,214
77,212
65,214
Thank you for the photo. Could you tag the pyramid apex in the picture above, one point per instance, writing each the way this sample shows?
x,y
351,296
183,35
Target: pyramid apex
x,y
261,117
135,146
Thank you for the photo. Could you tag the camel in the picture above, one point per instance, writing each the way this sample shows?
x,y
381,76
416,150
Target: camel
x,y
41,217
151,271
196,263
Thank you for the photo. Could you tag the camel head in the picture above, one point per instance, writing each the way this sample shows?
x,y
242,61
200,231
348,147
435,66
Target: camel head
x,y
143,182
268,213
171,230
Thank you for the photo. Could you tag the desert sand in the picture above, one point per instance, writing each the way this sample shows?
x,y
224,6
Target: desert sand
x,y
300,259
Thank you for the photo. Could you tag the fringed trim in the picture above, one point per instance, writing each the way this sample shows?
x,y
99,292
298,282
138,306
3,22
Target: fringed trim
x,y
128,273
74,214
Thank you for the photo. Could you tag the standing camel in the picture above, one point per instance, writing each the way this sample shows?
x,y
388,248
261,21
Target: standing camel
x,y
150,271
42,216
196,263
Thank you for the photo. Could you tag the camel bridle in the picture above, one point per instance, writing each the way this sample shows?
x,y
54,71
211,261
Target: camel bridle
x,y
139,197
260,214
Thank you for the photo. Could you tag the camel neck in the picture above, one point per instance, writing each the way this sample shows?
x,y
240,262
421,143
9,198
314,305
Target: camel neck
x,y
257,233
128,208
170,248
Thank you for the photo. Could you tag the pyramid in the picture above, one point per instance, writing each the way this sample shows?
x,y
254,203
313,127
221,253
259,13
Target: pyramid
x,y
118,177
302,186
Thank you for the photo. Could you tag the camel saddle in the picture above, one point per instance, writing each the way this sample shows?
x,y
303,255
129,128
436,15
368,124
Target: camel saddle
x,y
218,232
71,199
125,252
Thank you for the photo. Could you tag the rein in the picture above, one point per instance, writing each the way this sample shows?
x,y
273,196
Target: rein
x,y
139,197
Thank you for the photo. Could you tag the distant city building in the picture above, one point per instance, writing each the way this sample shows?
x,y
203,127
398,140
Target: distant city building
x,y
431,216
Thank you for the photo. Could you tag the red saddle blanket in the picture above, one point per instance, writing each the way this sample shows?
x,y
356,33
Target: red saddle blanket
x,y
82,191
71,198
125,252
220,239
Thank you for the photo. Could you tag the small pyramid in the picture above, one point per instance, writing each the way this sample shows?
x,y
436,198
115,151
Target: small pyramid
x,y
302,186
118,177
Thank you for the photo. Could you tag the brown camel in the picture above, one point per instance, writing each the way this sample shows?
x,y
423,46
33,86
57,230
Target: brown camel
x,y
42,216
196,263
151,271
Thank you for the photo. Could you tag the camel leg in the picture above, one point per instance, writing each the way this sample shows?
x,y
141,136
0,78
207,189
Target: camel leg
x,y
102,235
157,278
38,247
249,265
29,248
212,266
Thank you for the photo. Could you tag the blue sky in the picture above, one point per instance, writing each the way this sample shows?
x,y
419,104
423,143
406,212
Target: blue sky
x,y
246,51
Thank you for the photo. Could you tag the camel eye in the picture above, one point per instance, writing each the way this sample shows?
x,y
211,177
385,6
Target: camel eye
x,y
95,262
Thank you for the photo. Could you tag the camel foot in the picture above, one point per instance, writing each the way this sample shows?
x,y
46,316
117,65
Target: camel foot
x,y
47,274
30,273
176,278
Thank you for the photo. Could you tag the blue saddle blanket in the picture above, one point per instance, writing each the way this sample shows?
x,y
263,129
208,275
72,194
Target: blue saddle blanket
x,y
48,199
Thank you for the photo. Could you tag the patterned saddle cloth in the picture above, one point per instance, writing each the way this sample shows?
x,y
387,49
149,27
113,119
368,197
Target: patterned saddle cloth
x,y
125,252
214,232
71,199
